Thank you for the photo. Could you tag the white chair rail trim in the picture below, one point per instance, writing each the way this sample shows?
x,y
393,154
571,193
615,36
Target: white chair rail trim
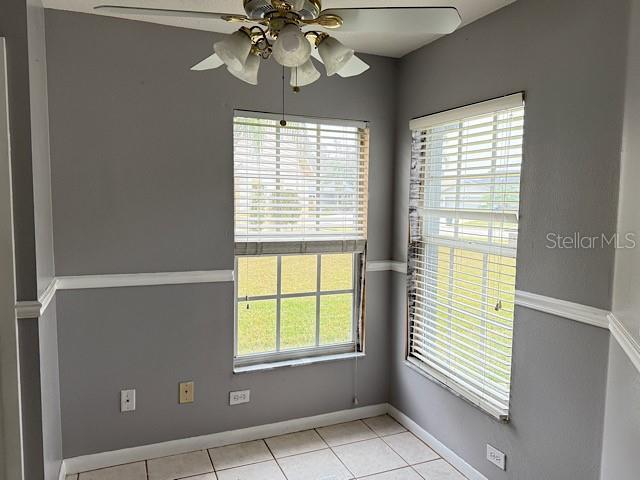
x,y
561,308
622,335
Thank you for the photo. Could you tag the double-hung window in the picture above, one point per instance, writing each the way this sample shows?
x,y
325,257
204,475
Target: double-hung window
x,y
463,215
300,212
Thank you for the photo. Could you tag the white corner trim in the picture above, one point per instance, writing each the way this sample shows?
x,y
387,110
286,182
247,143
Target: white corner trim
x,y
622,335
386,265
63,471
439,447
48,294
174,447
379,265
142,279
400,267
28,309
562,308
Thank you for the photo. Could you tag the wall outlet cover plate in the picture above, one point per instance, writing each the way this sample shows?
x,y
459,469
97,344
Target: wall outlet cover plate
x,y
496,457
240,396
187,392
127,400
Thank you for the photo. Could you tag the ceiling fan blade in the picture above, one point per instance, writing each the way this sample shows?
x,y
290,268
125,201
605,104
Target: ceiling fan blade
x,y
164,12
354,67
212,61
396,20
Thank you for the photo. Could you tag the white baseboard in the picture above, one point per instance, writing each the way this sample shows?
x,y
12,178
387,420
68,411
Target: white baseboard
x,y
439,447
174,447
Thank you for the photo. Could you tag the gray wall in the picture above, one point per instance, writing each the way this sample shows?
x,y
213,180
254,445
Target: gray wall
x,y
13,26
620,458
142,181
569,58
22,23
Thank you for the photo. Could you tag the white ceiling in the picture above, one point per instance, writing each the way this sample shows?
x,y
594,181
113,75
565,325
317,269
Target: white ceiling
x,y
395,45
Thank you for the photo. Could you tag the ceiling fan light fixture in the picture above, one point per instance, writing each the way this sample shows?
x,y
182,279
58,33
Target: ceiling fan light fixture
x,y
234,50
291,48
305,74
334,54
249,72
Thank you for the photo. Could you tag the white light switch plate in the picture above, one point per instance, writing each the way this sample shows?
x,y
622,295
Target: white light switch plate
x,y
240,396
496,457
127,400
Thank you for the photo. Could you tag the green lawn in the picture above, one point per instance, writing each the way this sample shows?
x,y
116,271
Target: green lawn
x,y
257,276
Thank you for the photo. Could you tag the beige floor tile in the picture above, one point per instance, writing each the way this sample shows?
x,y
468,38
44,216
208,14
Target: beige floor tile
x,y
256,471
295,443
406,473
72,477
369,457
179,466
410,448
130,471
206,476
346,433
438,470
384,425
320,465
240,454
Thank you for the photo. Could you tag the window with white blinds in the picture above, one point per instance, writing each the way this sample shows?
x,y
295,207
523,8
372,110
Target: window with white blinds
x,y
306,181
464,203
300,237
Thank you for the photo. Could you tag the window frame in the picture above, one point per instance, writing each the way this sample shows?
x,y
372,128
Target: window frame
x,y
309,351
320,245
442,377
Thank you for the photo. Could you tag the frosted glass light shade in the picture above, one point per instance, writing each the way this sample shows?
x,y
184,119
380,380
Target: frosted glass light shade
x,y
334,55
292,48
249,72
305,74
234,50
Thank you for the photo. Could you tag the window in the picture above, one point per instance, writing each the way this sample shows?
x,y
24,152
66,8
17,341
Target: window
x,y
300,236
463,214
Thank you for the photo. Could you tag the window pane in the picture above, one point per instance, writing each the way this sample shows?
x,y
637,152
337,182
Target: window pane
x,y
257,276
297,322
337,272
299,273
335,318
256,327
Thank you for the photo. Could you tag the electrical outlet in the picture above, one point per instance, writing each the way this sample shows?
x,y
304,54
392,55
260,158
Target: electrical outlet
x,y
187,393
496,457
127,400
240,396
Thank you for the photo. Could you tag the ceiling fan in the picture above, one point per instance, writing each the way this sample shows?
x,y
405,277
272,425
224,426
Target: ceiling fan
x,y
293,31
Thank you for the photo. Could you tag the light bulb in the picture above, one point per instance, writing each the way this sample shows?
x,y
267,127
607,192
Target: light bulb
x,y
292,48
234,49
249,72
334,55
305,74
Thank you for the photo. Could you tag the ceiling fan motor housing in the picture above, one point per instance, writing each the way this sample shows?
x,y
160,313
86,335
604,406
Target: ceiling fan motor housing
x,y
259,9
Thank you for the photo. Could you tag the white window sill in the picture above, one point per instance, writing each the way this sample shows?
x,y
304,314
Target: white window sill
x,y
297,362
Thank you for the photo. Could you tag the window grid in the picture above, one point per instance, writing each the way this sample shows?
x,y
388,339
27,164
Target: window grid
x,y
317,294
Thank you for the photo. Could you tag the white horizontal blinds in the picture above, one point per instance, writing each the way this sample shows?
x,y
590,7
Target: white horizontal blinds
x,y
465,186
304,182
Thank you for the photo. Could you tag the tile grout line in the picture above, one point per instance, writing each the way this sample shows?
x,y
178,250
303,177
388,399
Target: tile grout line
x,y
275,459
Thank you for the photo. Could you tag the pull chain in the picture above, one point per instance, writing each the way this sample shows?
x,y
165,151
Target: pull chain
x,y
283,122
